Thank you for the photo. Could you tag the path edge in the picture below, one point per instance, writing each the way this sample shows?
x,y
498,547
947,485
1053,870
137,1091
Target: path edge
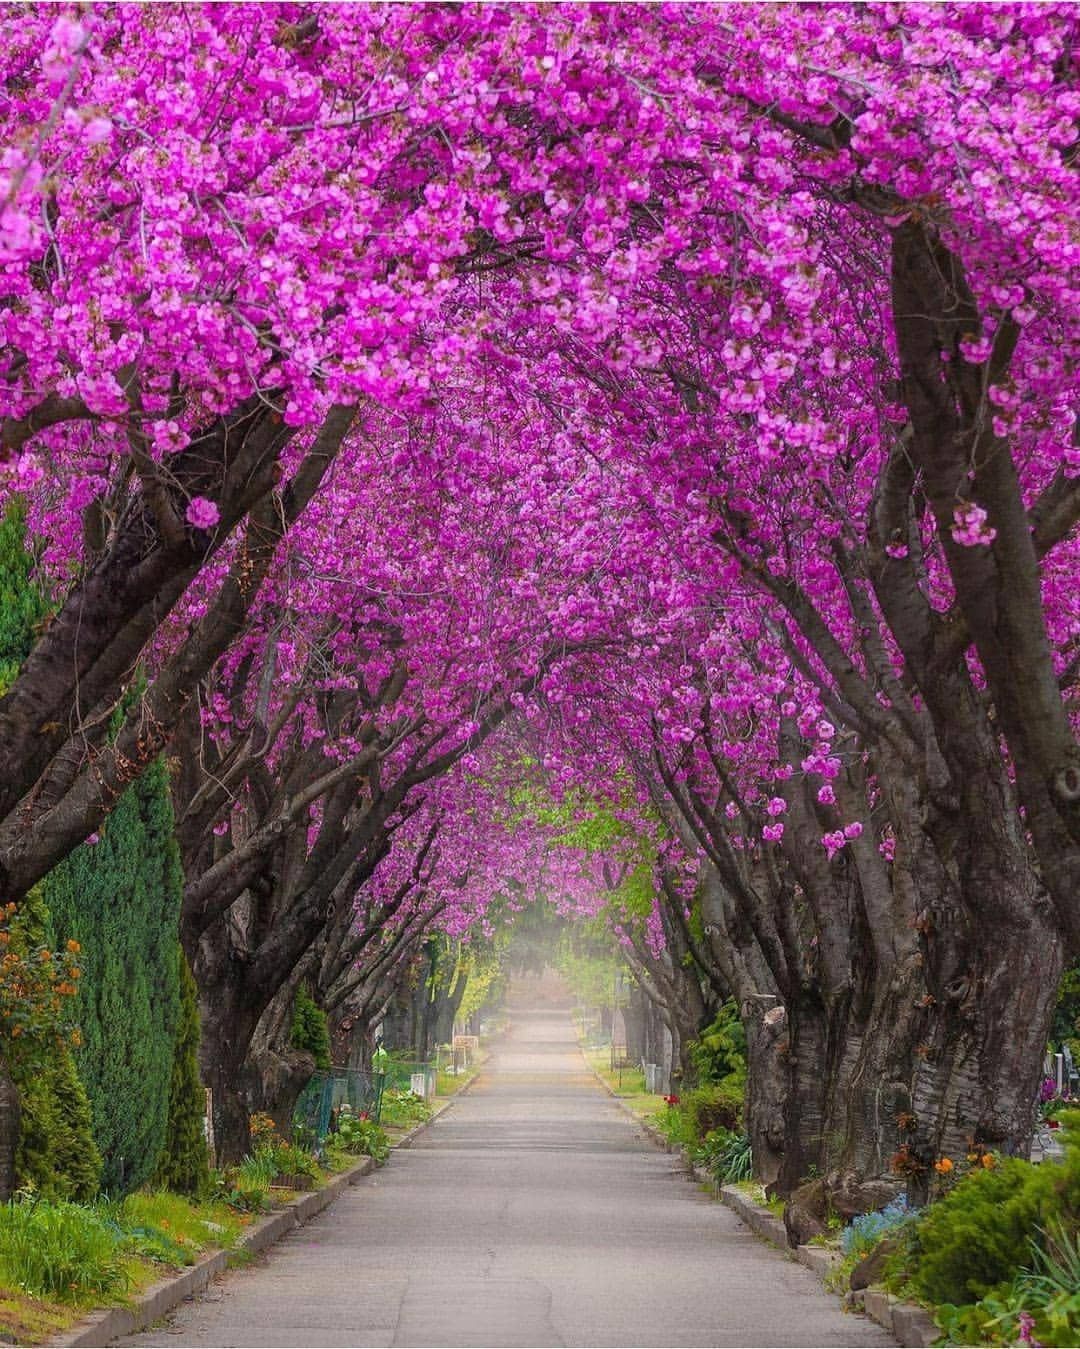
x,y
909,1324
112,1323
102,1327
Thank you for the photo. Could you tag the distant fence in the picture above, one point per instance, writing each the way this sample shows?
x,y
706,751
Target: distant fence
x,y
324,1095
409,1075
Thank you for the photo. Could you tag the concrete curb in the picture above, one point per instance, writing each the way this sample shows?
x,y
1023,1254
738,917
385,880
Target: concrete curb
x,y
112,1323
909,1324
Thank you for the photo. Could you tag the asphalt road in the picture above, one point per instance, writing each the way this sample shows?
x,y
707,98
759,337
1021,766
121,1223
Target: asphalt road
x,y
532,1213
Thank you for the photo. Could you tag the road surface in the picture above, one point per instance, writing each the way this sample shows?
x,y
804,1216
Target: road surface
x,y
534,1212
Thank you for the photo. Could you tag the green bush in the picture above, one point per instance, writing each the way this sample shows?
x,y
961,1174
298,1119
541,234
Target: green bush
x,y
62,1251
1041,1306
718,1106
184,1164
980,1235
720,1049
361,1136
403,1108
310,1029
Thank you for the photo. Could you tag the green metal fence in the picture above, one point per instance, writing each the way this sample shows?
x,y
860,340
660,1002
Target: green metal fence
x,y
409,1075
316,1110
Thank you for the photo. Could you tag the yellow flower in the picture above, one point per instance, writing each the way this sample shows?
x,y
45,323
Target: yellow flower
x,y
943,1165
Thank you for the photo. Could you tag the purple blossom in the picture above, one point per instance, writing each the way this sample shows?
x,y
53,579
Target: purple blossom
x,y
202,514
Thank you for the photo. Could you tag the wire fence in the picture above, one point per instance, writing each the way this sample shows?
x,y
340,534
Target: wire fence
x,y
409,1075
317,1109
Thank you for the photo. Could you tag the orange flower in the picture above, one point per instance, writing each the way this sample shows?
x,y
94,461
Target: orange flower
x,y
73,946
943,1165
987,1160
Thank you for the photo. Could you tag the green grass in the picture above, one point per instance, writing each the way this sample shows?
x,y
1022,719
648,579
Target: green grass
x,y
32,1320
194,1227
60,1260
61,1251
449,1084
628,1084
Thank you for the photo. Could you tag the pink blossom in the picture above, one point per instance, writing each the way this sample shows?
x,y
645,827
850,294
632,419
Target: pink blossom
x,y
202,514
970,528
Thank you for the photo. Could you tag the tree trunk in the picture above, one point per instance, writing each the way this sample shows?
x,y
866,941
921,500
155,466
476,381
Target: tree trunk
x,y
229,1020
277,1073
634,1020
766,1092
10,1120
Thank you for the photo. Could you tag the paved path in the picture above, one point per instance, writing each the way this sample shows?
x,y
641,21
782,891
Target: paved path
x,y
533,1213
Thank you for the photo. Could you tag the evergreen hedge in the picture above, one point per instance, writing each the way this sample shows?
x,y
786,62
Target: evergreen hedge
x,y
120,898
184,1165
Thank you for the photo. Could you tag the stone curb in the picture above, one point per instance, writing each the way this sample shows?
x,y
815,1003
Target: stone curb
x,y
758,1219
112,1323
910,1325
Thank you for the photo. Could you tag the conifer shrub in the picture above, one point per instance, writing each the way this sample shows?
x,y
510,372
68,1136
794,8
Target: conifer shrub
x,y
119,897
23,605
310,1029
56,1155
978,1236
184,1164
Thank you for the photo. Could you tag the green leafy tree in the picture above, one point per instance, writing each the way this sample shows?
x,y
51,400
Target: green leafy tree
x,y
720,1049
184,1164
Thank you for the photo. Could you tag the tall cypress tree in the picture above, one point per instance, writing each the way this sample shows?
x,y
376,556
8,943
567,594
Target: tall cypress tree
x,y
23,604
120,898
184,1162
